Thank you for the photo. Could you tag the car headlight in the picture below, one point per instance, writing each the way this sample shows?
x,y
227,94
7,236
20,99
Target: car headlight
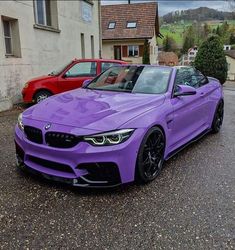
x,y
26,85
109,138
20,122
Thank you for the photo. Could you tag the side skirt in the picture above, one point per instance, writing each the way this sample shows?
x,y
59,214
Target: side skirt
x,y
195,139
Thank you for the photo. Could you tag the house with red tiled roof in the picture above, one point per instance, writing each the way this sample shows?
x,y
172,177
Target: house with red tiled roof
x,y
168,59
125,27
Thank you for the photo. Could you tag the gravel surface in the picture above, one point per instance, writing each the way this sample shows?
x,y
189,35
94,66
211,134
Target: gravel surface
x,y
190,206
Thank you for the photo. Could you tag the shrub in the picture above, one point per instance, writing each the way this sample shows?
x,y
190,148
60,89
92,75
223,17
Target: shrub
x,y
211,60
146,59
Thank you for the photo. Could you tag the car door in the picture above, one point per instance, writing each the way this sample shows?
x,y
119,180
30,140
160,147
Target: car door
x,y
75,76
206,89
189,117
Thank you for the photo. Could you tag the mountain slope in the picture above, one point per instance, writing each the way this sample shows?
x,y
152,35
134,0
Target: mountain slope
x,y
199,14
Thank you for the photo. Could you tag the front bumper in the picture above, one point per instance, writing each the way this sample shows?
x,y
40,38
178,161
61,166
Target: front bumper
x,y
83,165
27,95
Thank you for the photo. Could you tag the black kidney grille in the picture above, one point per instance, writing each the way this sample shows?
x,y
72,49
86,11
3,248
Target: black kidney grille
x,y
61,140
33,134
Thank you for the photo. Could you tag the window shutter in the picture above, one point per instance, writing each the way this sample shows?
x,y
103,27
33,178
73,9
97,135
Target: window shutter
x,y
141,50
124,51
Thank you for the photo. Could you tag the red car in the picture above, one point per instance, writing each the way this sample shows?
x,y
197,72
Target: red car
x,y
68,77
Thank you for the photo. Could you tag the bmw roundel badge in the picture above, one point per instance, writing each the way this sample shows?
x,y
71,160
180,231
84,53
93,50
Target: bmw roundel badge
x,y
47,126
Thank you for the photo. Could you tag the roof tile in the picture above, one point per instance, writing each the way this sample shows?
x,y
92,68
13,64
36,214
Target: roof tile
x,y
145,14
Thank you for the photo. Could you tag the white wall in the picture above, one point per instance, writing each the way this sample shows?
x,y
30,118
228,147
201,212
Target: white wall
x,y
231,70
108,49
41,50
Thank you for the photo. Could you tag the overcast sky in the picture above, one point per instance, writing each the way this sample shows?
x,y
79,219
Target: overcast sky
x,y
166,6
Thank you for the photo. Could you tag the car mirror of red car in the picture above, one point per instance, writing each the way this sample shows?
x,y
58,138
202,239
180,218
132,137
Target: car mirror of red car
x,y
184,90
86,83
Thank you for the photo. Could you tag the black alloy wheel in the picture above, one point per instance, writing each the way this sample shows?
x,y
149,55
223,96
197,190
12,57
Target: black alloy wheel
x,y
218,118
151,156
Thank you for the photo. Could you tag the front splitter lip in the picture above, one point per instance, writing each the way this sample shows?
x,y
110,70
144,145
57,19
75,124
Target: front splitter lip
x,y
68,181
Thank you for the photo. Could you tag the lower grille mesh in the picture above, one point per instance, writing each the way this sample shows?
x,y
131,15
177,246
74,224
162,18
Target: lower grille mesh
x,y
51,164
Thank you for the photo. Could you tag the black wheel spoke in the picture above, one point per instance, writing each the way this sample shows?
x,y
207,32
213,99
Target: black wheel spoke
x,y
153,154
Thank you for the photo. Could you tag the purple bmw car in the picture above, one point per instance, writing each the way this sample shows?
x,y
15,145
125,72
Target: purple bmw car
x,y
120,127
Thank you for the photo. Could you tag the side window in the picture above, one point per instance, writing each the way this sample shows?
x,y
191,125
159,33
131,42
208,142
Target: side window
x,y
187,76
106,65
82,69
202,80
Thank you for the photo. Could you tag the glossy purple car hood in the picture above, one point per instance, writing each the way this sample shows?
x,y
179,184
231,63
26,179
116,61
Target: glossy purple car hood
x,y
91,109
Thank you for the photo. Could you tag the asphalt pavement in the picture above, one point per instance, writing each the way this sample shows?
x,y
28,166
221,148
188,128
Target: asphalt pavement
x,y
190,206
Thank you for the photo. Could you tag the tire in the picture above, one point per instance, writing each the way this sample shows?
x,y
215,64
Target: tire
x,y
150,156
218,118
41,95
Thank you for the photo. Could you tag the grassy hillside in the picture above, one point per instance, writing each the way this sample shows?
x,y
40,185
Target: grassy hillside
x,y
176,30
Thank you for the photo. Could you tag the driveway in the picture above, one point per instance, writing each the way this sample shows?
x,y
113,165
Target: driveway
x,y
190,206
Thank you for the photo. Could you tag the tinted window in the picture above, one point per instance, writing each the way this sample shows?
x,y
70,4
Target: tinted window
x,y
106,65
134,79
82,69
187,76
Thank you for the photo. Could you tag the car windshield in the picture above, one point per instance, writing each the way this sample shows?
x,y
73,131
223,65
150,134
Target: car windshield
x,y
133,79
59,70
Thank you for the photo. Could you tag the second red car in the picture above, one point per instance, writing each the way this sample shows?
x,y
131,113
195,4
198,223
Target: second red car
x,y
68,77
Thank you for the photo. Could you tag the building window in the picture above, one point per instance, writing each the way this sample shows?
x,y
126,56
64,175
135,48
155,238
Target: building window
x,y
82,45
92,47
46,13
133,50
86,8
11,36
131,25
7,37
112,25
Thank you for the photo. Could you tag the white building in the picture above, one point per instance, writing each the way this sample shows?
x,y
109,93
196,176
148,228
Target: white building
x,y
230,57
187,59
227,47
37,36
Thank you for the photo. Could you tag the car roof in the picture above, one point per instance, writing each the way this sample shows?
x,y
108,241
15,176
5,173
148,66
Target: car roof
x,y
146,65
99,60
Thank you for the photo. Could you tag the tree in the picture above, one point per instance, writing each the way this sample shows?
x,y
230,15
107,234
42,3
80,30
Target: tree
x,y
188,43
232,39
211,59
206,31
218,31
146,59
169,44
189,40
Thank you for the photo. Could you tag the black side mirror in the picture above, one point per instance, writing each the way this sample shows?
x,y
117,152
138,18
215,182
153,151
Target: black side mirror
x,y
184,90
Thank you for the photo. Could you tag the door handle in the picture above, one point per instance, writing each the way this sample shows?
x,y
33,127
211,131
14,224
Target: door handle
x,y
202,94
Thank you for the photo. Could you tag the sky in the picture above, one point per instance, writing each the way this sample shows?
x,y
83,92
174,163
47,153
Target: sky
x,y
166,6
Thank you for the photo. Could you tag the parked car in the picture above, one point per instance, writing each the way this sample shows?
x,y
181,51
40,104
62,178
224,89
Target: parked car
x,y
67,77
120,127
